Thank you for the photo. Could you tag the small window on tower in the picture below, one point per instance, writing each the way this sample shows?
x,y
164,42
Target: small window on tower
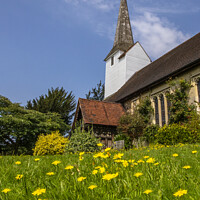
x,y
112,60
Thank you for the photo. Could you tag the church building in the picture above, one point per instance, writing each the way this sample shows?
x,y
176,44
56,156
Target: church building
x,y
131,75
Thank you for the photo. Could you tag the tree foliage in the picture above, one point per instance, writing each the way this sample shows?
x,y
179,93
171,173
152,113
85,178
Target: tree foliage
x,y
180,110
133,125
58,101
97,93
19,128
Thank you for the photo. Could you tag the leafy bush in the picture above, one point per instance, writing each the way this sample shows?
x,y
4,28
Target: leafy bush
x,y
82,140
127,140
133,125
50,144
177,133
150,133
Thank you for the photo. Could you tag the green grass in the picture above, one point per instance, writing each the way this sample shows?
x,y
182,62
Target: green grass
x,y
163,179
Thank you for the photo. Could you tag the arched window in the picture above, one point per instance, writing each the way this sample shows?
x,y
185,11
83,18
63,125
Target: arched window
x,y
162,102
156,110
168,106
198,87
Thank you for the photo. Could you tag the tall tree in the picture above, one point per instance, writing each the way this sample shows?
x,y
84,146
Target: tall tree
x,y
19,128
58,101
97,93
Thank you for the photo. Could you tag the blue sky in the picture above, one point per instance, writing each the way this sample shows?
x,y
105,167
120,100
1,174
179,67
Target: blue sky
x,y
55,43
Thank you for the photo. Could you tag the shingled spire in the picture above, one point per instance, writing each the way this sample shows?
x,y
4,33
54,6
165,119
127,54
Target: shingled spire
x,y
123,36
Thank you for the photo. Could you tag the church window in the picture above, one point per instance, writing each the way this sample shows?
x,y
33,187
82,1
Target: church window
x,y
198,87
162,102
168,108
112,60
156,110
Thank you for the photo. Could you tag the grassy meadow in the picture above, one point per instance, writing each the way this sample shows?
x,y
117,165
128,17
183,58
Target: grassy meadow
x,y
154,173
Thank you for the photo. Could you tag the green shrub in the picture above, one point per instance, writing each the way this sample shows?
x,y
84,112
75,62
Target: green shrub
x,y
127,140
176,133
50,144
150,133
82,140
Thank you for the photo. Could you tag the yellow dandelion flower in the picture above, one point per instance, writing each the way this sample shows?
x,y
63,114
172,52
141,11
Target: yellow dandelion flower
x,y
80,158
131,161
99,144
156,163
97,167
94,171
102,170
91,187
146,157
81,178
118,156
50,173
18,163
56,162
69,167
109,176
135,163
180,193
107,149
147,191
39,191
187,167
125,163
140,161
150,160
81,153
138,174
194,152
6,190
175,155
19,176
37,159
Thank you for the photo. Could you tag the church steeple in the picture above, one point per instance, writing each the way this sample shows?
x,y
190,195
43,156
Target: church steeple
x,y
123,36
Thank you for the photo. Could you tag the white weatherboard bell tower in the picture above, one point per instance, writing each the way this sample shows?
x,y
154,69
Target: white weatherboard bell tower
x,y
126,57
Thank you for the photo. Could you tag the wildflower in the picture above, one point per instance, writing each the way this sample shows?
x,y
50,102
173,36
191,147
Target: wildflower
x,y
156,163
175,155
18,163
102,170
80,158
91,187
81,178
98,167
19,176
131,161
37,159
6,190
107,149
118,156
135,163
138,174
81,153
69,167
150,160
146,157
194,152
187,167
147,191
99,144
39,192
50,173
94,171
125,163
180,193
140,161
98,155
56,162
110,176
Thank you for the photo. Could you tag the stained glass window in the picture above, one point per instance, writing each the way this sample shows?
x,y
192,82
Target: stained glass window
x,y
156,110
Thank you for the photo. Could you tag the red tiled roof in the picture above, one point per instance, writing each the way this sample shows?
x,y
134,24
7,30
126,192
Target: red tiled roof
x,y
99,112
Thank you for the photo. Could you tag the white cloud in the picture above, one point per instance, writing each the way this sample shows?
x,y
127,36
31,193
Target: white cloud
x,y
156,35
